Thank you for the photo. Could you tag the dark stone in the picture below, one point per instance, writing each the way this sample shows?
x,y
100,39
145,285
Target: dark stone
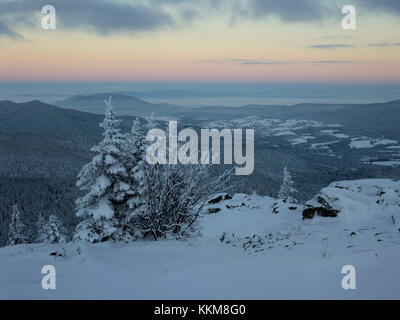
x,y
228,197
325,210
57,254
309,213
215,200
213,210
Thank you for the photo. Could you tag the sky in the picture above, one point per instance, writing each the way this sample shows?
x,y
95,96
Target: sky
x,y
200,41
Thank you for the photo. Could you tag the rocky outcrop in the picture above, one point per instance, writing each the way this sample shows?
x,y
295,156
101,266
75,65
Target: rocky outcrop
x,y
322,209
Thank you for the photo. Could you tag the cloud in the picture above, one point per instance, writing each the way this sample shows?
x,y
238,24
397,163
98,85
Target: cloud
x,y
333,37
6,31
189,15
286,10
331,61
383,44
209,61
289,10
256,62
264,62
389,6
271,62
106,17
127,16
331,46
101,16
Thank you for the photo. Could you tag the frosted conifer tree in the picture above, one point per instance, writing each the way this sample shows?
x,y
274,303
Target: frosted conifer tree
x,y
16,228
134,152
41,229
103,179
54,231
287,188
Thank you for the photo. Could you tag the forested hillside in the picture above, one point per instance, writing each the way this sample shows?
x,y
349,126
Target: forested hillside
x,y
43,147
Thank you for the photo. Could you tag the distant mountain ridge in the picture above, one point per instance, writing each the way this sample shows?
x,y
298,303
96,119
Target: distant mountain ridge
x,y
123,105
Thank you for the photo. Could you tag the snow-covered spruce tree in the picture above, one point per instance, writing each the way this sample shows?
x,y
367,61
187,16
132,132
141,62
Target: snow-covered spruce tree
x,y
287,187
40,229
104,179
54,231
132,189
16,229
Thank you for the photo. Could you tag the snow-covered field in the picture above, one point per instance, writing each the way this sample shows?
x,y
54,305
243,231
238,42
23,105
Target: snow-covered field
x,y
366,142
297,132
253,248
394,163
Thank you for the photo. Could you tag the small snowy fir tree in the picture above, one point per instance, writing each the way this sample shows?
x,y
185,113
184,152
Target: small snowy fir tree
x,y
287,188
132,189
102,208
16,228
54,231
40,229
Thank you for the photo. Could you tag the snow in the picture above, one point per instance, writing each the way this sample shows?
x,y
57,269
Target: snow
x,y
301,139
323,145
366,142
334,133
341,135
295,132
394,163
272,127
103,210
328,132
268,251
285,133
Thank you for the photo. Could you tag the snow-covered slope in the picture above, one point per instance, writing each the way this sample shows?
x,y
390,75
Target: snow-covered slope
x,y
252,248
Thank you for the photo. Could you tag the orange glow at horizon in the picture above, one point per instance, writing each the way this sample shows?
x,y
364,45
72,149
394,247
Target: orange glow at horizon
x,y
215,52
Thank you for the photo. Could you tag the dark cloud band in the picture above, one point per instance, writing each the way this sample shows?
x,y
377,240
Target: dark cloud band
x,y
102,16
110,16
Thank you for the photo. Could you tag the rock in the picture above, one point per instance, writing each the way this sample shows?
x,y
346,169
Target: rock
x,y
213,210
227,237
228,197
58,253
215,200
321,207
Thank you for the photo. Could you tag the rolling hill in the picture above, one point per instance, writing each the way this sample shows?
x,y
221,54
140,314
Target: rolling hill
x,y
124,105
